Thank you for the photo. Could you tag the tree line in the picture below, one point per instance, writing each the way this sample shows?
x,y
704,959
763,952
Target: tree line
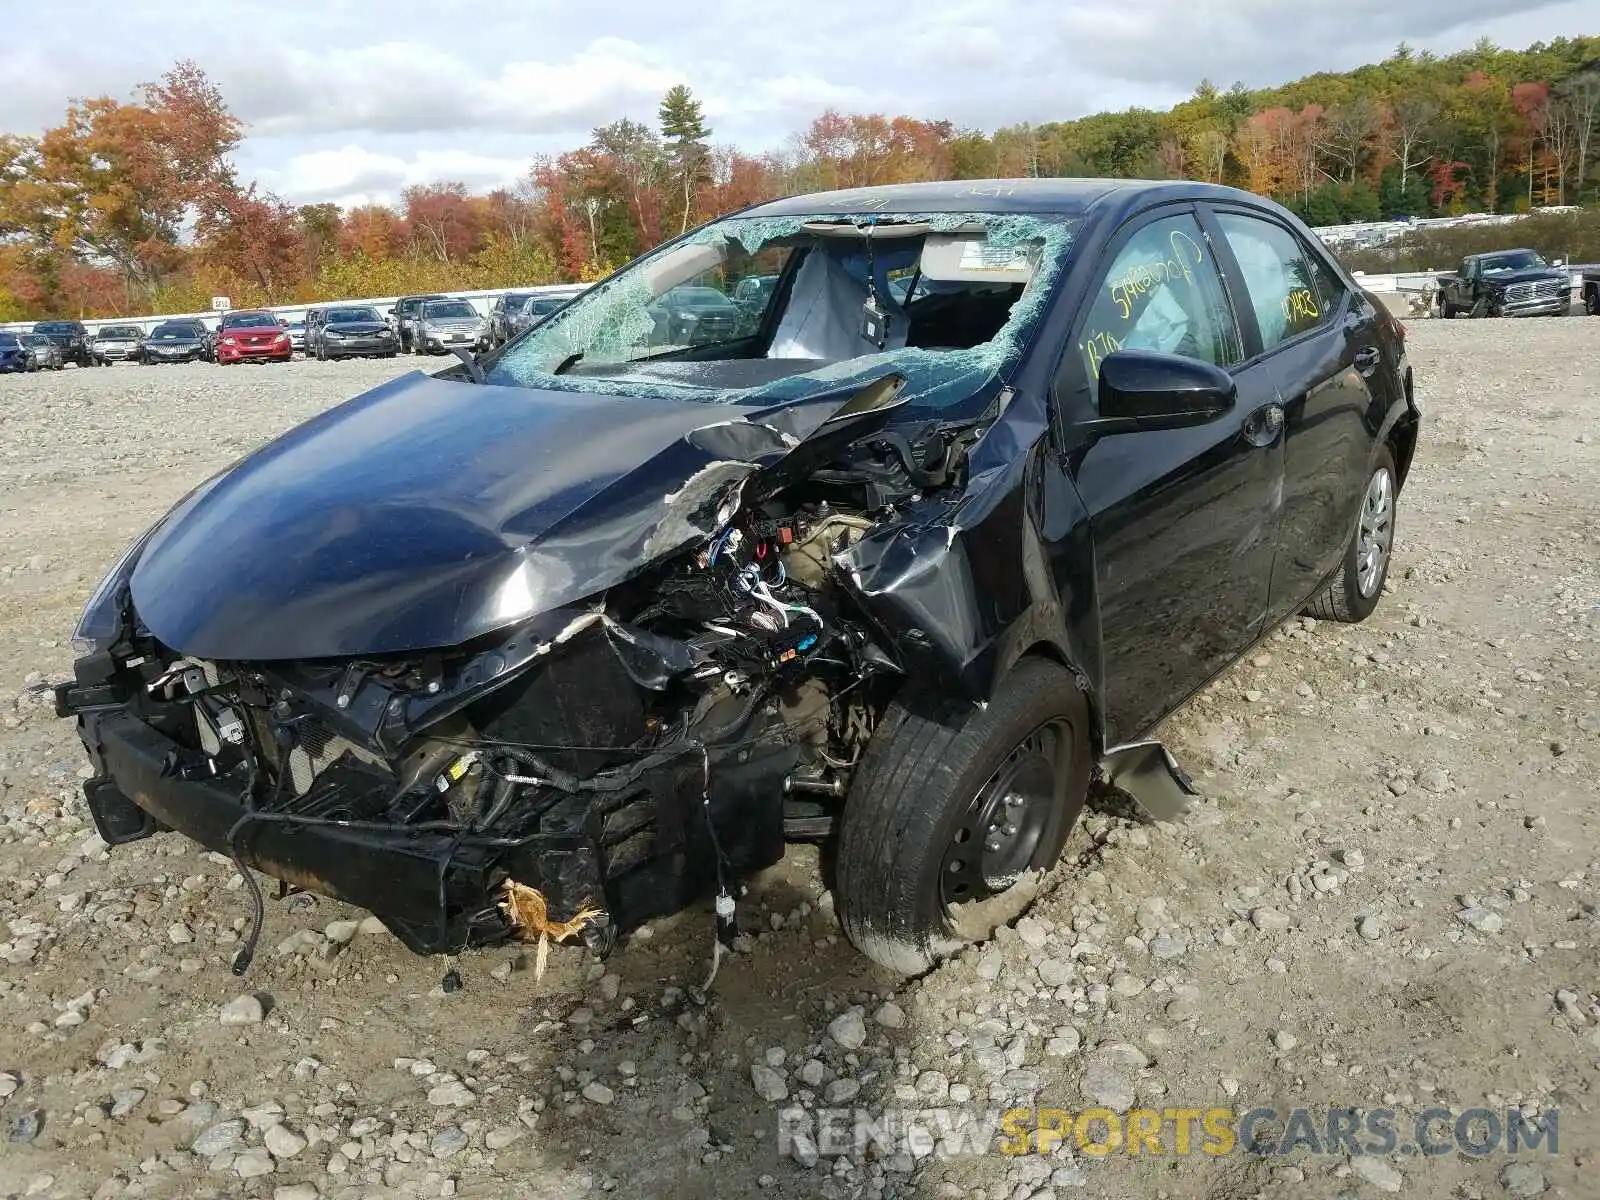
x,y
136,206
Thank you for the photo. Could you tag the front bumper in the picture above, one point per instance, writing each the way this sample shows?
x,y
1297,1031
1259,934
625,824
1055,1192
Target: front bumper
x,y
345,347
444,342
278,353
438,890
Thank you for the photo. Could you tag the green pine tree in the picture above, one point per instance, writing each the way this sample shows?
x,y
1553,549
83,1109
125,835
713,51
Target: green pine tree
x,y
683,126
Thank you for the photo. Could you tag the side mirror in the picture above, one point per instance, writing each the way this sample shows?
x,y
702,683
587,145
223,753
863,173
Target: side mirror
x,y
1143,389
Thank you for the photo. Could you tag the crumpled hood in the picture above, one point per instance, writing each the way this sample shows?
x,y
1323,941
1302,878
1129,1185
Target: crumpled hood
x,y
428,512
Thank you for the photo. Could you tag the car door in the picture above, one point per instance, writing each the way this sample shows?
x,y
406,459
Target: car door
x,y
1320,340
1180,519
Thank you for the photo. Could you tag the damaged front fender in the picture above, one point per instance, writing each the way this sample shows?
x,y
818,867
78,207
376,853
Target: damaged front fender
x,y
962,583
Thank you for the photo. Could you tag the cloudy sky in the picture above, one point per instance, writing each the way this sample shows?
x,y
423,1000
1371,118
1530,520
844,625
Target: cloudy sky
x,y
349,101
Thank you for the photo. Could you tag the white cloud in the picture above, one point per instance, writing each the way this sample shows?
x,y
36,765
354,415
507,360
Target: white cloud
x,y
360,100
351,175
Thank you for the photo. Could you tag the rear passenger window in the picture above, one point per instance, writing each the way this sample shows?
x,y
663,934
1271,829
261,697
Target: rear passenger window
x,y
1285,291
1162,292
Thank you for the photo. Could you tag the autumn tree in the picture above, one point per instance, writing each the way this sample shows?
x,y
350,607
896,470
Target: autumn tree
x,y
119,182
642,165
441,220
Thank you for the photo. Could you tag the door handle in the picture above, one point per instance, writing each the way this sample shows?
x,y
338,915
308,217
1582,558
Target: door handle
x,y
1262,427
1366,359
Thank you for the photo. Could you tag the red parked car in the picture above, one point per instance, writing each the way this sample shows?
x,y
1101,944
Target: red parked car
x,y
252,336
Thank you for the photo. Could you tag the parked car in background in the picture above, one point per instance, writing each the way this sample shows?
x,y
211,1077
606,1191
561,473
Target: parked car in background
x,y
252,336
116,343
354,331
175,341
687,315
1506,283
15,358
752,292
1591,292
583,643
404,313
536,308
297,334
442,325
73,339
43,354
502,317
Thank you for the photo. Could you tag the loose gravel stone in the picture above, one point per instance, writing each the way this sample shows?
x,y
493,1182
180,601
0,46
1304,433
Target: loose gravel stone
x,y
1522,1179
224,1135
250,1164
769,1083
849,1029
1378,1173
283,1142
242,1010
1268,920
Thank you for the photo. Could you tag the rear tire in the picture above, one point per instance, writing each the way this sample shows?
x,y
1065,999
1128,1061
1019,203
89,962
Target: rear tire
x,y
1353,592
957,812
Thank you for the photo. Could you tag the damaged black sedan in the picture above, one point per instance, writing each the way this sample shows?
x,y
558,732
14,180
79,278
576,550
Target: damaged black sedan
x,y
989,479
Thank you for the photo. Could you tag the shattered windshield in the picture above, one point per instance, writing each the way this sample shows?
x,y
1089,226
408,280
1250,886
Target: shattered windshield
x,y
753,309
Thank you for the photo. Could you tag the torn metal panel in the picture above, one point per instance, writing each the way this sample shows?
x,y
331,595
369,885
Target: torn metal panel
x,y
955,581
1148,772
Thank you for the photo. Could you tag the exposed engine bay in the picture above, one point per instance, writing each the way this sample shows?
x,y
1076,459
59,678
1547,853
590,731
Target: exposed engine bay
x,y
622,758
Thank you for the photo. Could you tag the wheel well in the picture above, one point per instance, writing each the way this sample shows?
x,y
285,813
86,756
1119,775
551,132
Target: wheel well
x,y
1053,652
1402,440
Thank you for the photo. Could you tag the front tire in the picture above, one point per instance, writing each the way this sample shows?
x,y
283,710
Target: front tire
x,y
957,812
1353,592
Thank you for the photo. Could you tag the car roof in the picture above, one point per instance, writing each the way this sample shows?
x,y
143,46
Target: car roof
x,y
1069,197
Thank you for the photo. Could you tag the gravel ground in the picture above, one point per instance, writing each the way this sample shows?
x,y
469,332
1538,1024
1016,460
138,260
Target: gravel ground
x,y
1387,897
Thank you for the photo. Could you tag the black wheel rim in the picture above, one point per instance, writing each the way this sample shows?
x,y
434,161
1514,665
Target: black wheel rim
x,y
997,838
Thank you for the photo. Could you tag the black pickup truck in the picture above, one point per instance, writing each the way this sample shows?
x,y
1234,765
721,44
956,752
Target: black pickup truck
x,y
1506,283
